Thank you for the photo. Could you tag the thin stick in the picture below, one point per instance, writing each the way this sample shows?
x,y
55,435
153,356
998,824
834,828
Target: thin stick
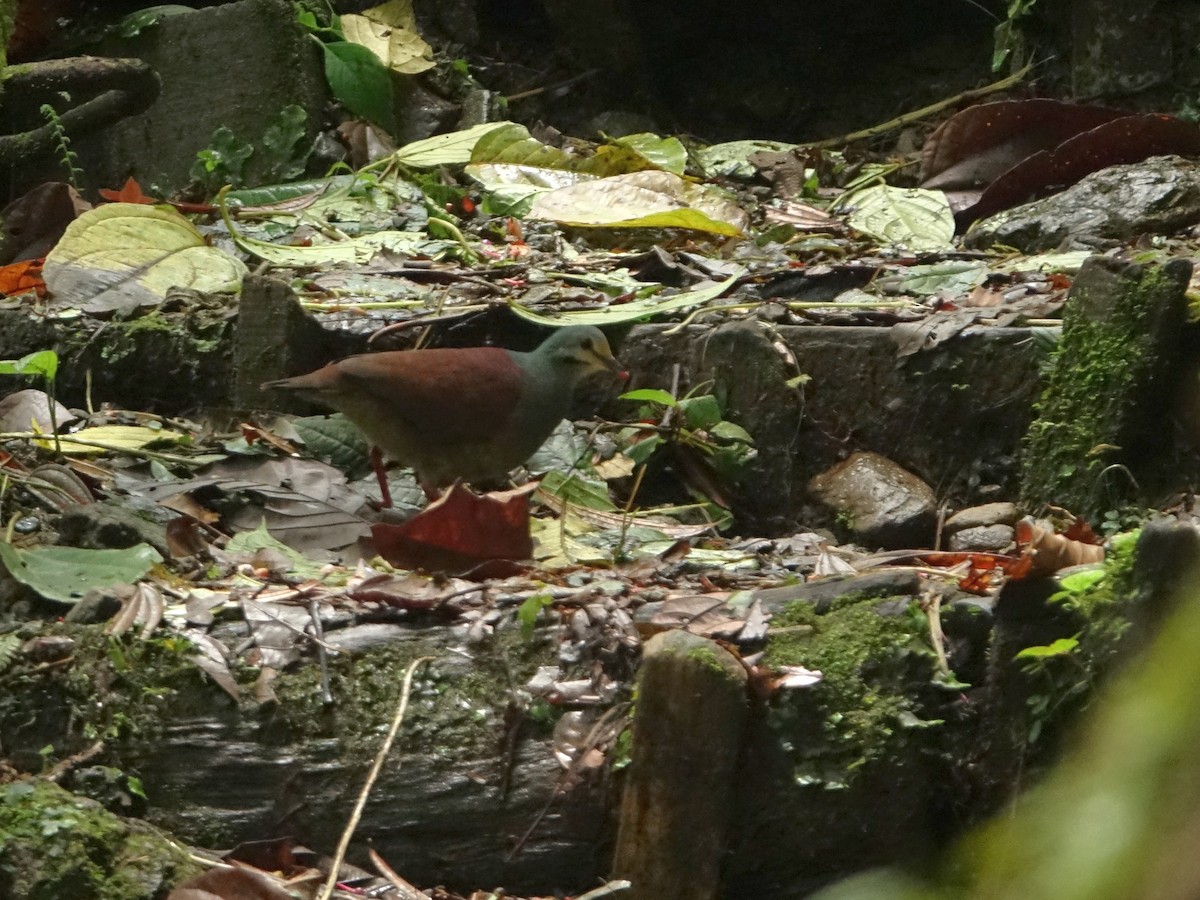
x,y
314,613
924,112
331,881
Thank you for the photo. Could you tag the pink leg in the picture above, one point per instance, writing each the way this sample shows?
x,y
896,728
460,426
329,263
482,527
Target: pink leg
x,y
385,492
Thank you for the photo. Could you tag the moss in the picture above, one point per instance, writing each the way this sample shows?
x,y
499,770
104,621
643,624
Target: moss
x,y
707,657
54,845
1105,387
115,689
126,691
169,336
877,688
456,706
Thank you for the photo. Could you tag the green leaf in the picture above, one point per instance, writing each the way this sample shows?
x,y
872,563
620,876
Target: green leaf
x,y
137,22
360,81
649,395
527,612
336,439
647,199
578,490
250,542
1078,582
642,450
637,309
40,362
515,147
954,276
65,574
1061,647
223,160
453,149
667,153
913,219
700,412
283,143
733,158
120,256
728,431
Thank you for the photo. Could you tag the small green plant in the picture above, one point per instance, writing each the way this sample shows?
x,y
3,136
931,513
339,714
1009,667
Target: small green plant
x,y
62,144
694,422
222,161
1010,41
527,612
1061,675
283,151
42,364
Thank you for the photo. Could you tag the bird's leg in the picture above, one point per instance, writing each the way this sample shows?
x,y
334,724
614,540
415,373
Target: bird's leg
x,y
385,492
431,491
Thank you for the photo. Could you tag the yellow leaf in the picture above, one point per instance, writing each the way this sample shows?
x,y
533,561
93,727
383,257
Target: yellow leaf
x,y
112,437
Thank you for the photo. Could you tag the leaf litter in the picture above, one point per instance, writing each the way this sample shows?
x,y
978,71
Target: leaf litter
x,y
622,232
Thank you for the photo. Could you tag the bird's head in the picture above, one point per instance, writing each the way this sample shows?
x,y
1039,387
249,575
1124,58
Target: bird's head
x,y
581,350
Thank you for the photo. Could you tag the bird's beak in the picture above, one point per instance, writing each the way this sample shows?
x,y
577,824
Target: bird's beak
x,y
604,361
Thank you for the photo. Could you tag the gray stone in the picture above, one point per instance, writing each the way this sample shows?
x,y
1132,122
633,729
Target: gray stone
x,y
110,525
236,65
1000,513
799,433
823,592
880,502
1160,195
982,539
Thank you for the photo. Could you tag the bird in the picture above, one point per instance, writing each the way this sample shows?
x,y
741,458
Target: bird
x,y
469,414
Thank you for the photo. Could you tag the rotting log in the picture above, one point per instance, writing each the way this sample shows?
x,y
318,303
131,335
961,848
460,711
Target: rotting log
x,y
687,733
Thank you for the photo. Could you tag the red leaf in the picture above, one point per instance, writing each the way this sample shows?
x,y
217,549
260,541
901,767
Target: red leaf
x,y
462,531
130,192
22,277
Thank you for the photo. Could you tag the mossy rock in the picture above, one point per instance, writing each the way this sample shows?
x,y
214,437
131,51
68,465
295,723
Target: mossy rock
x,y
55,845
1098,439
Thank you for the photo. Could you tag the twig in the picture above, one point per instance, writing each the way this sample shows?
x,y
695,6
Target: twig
x,y
314,613
917,114
562,85
331,881
931,604
99,445
63,766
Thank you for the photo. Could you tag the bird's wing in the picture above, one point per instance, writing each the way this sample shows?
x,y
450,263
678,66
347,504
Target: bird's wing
x,y
450,394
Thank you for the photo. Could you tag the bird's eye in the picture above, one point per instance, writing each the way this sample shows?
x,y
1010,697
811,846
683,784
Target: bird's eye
x,y
586,344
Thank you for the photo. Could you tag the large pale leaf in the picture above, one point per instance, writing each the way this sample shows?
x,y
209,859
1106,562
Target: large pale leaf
x,y
111,438
125,255
492,176
910,218
65,574
390,32
666,153
642,200
355,250
636,309
733,158
453,149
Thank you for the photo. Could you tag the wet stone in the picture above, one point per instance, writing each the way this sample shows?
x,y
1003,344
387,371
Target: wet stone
x,y
883,504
